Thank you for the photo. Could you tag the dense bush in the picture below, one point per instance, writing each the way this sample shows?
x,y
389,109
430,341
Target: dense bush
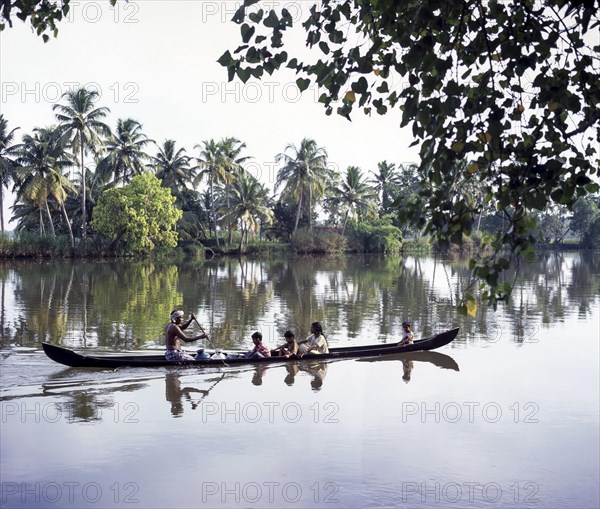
x,y
421,245
471,244
32,245
591,238
318,241
376,236
265,248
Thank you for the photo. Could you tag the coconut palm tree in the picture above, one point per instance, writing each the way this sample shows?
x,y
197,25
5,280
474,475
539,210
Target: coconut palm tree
x,y
304,175
172,167
233,162
354,195
247,206
215,167
81,121
125,152
387,183
59,186
42,158
8,152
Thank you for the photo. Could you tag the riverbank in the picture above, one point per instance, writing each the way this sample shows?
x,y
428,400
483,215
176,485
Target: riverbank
x,y
32,246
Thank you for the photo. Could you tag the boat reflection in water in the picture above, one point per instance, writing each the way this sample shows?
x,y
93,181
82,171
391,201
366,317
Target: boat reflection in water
x,y
408,360
318,369
175,394
315,369
91,399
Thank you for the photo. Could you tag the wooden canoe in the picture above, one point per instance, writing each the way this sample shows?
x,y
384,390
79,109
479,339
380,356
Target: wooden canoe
x,y
79,360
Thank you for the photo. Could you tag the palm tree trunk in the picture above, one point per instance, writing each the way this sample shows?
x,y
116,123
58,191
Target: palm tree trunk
x,y
213,211
309,207
345,220
230,227
298,212
64,211
242,239
42,229
2,208
50,220
83,213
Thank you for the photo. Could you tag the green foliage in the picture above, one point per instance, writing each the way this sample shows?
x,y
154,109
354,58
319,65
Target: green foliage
x,y
195,215
472,244
284,220
304,176
33,245
376,236
8,166
387,184
592,237
503,95
318,241
586,221
353,196
422,245
247,199
265,248
125,148
220,164
552,226
43,15
141,215
81,121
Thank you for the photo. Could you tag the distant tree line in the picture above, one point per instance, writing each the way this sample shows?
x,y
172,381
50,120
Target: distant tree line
x,y
81,178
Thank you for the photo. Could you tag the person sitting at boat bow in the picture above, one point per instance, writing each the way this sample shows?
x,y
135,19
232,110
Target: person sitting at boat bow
x,y
173,335
315,343
408,338
259,350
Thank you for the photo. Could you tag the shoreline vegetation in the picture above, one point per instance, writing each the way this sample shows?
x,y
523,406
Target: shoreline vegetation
x,y
329,243
86,190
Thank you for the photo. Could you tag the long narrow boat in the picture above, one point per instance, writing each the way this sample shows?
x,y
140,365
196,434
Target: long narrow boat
x,y
78,360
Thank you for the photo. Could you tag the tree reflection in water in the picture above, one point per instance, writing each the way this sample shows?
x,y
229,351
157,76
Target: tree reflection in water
x,y
359,299
85,402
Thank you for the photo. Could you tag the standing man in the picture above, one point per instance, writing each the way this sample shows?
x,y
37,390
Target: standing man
x,y
174,332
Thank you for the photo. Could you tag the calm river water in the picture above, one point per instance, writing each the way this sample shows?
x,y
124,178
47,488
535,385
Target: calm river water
x,y
505,416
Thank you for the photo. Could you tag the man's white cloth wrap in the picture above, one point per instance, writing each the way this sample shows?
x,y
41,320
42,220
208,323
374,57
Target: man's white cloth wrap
x,y
176,314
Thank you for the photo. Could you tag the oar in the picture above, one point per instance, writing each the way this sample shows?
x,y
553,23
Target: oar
x,y
209,340
204,332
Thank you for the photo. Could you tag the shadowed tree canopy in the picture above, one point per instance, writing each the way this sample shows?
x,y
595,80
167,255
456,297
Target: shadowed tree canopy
x,y
44,15
506,90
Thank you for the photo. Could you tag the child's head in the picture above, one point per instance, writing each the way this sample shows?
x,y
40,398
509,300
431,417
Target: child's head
x,y
289,336
407,325
257,337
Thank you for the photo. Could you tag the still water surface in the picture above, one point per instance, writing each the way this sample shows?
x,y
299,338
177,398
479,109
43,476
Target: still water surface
x,y
505,416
